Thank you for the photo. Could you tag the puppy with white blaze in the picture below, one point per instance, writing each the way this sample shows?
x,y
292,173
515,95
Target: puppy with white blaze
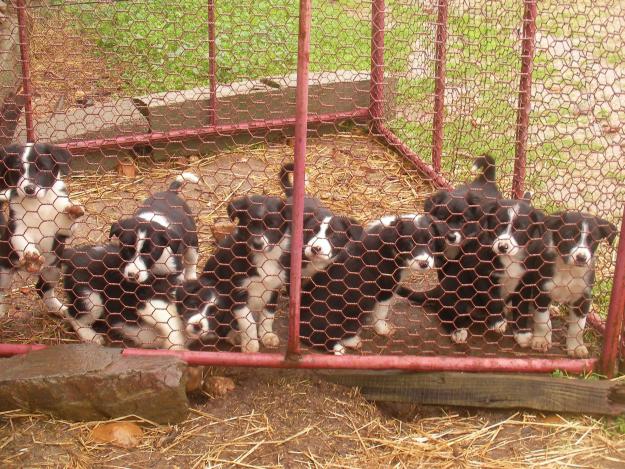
x,y
160,238
362,279
158,313
41,216
566,276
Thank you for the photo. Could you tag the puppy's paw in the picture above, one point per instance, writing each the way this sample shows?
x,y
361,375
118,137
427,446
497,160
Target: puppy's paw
x,y
500,326
383,328
460,336
233,337
250,346
541,343
270,339
339,349
74,211
577,350
32,261
523,339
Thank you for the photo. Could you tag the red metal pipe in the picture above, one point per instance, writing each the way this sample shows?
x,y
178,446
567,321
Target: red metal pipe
x,y
128,141
212,63
439,86
301,130
525,93
393,141
22,20
376,91
370,362
614,321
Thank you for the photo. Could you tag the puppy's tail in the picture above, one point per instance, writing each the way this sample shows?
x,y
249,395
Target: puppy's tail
x,y
285,179
485,167
419,298
177,184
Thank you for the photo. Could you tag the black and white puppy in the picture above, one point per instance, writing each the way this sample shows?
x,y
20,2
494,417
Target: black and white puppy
x,y
566,276
325,233
41,215
157,313
161,236
460,208
362,280
475,287
254,259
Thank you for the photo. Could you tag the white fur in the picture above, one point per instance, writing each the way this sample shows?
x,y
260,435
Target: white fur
x,y
505,239
569,282
414,263
513,270
136,268
500,326
379,315
582,248
189,260
524,339
575,346
541,337
156,218
354,342
188,177
460,336
163,316
457,238
321,242
82,325
248,334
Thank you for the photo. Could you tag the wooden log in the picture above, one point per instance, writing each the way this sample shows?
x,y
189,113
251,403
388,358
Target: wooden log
x,y
501,391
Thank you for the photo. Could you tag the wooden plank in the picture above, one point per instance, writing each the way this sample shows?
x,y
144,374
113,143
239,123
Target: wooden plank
x,y
501,391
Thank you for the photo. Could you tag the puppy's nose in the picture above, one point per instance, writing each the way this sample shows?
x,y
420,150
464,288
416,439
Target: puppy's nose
x,y
424,264
451,236
315,249
196,328
581,257
503,247
30,189
133,275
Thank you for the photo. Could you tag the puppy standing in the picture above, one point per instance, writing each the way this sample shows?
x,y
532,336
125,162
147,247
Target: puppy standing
x,y
337,301
566,275
41,216
161,237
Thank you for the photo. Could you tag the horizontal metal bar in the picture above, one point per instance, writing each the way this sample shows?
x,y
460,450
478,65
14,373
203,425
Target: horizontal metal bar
x,y
129,141
375,362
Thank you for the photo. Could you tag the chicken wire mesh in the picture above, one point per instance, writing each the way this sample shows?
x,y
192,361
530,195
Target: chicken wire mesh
x,y
402,96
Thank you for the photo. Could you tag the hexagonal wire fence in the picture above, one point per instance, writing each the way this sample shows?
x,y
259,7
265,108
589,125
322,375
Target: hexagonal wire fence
x,y
181,120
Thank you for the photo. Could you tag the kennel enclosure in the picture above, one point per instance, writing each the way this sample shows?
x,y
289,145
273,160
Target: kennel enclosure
x,y
432,83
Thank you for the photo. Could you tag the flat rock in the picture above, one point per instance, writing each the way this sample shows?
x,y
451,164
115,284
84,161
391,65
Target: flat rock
x,y
88,382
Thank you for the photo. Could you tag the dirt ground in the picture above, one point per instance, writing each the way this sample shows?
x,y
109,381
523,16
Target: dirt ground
x,y
293,419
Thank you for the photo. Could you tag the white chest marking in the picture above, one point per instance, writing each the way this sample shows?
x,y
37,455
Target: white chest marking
x,y
513,270
569,282
156,218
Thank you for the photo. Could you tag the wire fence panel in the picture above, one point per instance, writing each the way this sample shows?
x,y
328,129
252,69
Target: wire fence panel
x,y
157,139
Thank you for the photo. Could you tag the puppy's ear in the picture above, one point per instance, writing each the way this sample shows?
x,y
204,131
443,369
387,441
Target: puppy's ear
x,y
121,226
238,210
435,200
474,206
607,230
61,158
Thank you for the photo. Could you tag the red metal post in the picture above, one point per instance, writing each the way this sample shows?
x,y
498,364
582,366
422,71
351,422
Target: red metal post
x,y
361,362
614,322
22,24
376,93
439,86
301,129
212,63
525,94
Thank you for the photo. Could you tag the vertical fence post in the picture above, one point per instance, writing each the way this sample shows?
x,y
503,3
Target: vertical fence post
x,y
22,24
439,85
376,90
614,322
525,94
212,63
301,129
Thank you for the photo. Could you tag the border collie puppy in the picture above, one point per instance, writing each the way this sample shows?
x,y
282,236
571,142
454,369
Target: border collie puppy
x,y
566,276
254,259
157,313
362,280
460,208
325,233
161,237
474,287
41,215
